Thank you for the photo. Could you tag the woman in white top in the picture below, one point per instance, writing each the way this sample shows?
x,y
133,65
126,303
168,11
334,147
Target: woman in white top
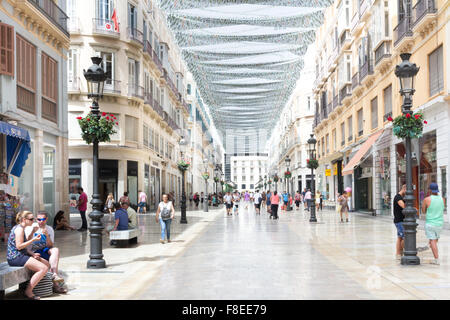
x,y
164,215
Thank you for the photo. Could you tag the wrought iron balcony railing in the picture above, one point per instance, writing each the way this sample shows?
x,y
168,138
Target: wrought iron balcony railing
x,y
421,8
104,26
136,35
365,69
112,86
383,51
135,91
53,13
403,29
148,48
355,80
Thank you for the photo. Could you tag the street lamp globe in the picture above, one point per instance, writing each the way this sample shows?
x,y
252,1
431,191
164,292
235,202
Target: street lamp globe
x,y
406,71
287,161
183,145
312,144
95,77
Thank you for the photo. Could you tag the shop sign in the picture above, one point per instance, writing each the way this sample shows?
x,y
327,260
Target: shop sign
x,y
327,172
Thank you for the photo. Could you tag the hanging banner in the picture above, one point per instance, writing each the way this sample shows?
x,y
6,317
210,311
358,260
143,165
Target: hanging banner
x,y
327,172
335,169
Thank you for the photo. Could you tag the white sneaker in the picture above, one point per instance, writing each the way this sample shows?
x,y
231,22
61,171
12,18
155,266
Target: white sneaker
x,y
435,261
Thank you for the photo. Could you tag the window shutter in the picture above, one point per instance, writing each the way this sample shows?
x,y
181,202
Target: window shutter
x,y
6,49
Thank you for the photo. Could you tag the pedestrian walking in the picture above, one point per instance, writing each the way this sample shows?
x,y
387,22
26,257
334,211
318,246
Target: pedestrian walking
x,y
274,202
236,200
246,199
344,206
305,203
268,195
142,204
399,205
263,199
433,207
317,198
82,207
228,202
297,199
110,203
164,215
308,199
257,202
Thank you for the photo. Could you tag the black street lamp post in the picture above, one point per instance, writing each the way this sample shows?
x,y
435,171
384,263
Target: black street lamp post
x,y
312,155
95,77
406,71
183,219
288,162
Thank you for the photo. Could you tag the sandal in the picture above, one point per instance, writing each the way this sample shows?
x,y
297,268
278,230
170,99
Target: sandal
x,y
59,289
33,297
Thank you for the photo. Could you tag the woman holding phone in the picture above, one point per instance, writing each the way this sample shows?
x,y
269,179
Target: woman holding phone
x,y
19,255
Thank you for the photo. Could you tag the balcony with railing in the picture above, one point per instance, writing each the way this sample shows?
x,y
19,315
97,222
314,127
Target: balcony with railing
x,y
73,84
53,13
157,62
148,48
383,54
171,84
135,91
355,81
26,99
365,70
135,35
74,25
345,92
332,63
423,11
344,40
363,8
112,86
104,26
402,30
335,101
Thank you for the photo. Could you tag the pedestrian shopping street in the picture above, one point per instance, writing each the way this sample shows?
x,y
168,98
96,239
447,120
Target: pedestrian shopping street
x,y
247,256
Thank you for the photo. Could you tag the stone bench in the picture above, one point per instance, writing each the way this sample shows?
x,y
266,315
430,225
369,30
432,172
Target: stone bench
x,y
124,236
11,276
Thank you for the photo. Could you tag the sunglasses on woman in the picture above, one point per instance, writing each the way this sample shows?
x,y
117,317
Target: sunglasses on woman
x,y
30,219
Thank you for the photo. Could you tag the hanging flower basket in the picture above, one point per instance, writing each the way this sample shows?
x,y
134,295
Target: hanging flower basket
x,y
287,174
183,165
205,176
221,182
276,178
312,163
216,179
97,128
269,182
408,125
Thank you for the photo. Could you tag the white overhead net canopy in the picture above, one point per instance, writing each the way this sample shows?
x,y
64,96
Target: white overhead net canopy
x,y
246,57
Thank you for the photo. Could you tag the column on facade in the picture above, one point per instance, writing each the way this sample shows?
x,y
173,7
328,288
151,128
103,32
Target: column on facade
x,y
38,165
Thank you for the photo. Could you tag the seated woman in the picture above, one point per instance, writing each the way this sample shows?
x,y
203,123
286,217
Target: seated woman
x,y
60,222
19,255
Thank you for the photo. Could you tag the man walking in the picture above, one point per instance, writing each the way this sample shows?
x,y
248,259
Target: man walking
x,y
285,201
308,198
236,200
142,202
228,202
305,204
257,201
82,207
433,207
399,205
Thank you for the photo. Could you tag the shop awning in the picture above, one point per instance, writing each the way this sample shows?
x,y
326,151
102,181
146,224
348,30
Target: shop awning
x,y
348,169
17,147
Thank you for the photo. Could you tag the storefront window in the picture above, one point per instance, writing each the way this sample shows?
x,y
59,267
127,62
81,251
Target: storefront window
x,y
385,181
132,181
74,183
424,167
49,181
